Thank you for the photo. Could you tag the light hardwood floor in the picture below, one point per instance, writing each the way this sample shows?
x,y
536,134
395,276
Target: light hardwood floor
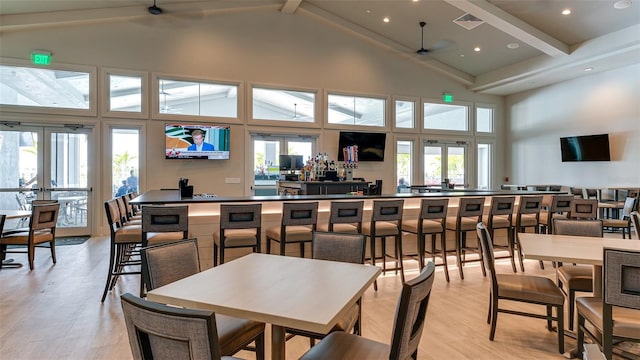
x,y
54,312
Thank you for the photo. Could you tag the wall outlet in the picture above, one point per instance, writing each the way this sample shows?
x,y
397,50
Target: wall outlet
x,y
232,180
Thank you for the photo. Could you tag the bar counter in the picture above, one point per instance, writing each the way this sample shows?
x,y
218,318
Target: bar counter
x,y
204,211
159,197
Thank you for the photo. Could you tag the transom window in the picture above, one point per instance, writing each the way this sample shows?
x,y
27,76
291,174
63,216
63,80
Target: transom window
x,y
26,86
446,117
405,114
356,110
197,98
283,105
484,119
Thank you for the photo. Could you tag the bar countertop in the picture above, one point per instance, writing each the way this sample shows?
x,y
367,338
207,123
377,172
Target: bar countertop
x,y
173,196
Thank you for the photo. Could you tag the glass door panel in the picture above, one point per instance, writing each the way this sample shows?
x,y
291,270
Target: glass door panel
x,y
456,164
433,165
266,170
47,164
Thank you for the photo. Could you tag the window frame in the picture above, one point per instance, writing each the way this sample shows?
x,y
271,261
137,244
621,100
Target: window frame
x,y
417,112
470,115
316,123
155,100
476,106
92,111
387,109
106,96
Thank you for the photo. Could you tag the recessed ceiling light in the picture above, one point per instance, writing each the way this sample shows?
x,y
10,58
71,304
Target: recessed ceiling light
x,y
386,19
566,12
622,4
476,49
414,0
368,11
513,45
588,69
461,55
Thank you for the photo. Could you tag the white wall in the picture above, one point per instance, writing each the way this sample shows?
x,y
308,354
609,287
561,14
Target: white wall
x,y
607,102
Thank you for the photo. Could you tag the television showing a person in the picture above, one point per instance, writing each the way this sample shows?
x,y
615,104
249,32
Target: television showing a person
x,y
199,144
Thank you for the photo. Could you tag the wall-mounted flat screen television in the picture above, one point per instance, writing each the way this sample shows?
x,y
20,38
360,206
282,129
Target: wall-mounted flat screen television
x,y
291,162
585,148
370,145
196,141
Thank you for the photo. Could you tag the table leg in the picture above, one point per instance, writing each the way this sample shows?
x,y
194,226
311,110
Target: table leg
x,y
277,342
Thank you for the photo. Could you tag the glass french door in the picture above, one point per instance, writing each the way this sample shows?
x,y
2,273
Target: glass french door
x,y
267,151
46,163
445,161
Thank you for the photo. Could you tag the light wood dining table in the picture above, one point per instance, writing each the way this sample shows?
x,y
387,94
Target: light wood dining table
x,y
573,249
283,291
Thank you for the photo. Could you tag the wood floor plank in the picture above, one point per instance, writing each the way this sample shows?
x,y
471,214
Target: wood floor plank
x,y
54,312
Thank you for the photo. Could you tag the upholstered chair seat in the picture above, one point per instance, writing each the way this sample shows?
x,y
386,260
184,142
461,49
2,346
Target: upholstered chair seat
x,y
162,237
579,277
428,226
295,233
528,220
238,238
342,228
529,288
383,228
466,224
626,322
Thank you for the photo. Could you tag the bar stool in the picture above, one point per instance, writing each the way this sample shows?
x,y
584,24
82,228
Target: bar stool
x,y
501,217
386,220
162,224
558,209
299,221
469,215
125,242
240,227
431,221
344,217
528,216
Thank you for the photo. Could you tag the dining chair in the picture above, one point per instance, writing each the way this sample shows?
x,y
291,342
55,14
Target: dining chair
x,y
431,221
299,221
635,220
615,315
125,215
527,216
343,247
586,209
624,223
158,331
470,212
529,289
409,323
558,208
240,227
501,218
344,217
575,278
386,220
169,262
42,229
125,242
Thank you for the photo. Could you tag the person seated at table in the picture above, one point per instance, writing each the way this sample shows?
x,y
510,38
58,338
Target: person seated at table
x,y
198,142
122,189
402,185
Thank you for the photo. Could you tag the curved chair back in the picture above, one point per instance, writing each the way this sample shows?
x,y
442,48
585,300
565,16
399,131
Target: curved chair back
x,y
346,212
169,262
387,210
635,220
44,217
241,217
160,331
411,314
584,209
338,247
577,227
488,258
299,213
164,219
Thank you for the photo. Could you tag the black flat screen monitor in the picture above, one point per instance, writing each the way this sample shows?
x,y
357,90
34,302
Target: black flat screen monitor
x,y
291,162
585,148
370,145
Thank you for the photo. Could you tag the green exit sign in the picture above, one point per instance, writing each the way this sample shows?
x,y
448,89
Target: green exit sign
x,y
41,58
446,97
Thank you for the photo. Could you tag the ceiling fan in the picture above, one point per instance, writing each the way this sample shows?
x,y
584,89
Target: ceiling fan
x,y
154,10
438,46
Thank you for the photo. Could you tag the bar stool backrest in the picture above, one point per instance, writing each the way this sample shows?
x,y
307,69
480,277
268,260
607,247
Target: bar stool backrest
x,y
163,219
299,213
346,212
387,210
530,205
240,216
502,205
434,209
469,207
